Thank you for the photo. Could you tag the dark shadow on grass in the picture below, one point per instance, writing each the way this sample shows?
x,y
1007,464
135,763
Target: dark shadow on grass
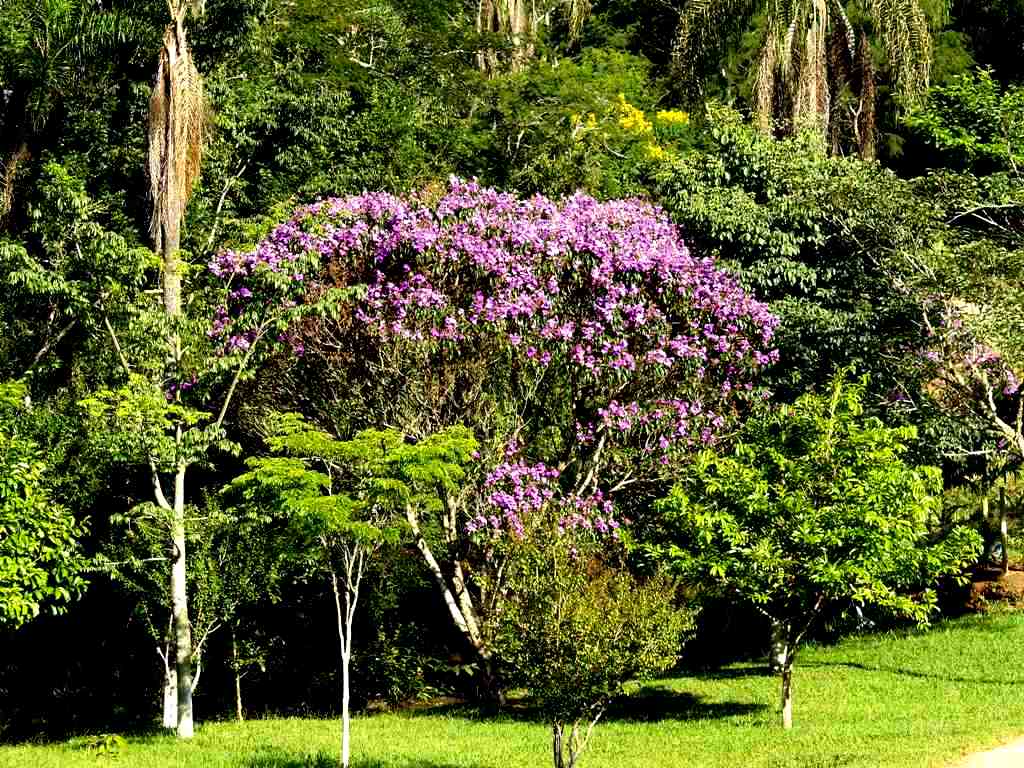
x,y
649,704
734,673
912,673
279,758
656,703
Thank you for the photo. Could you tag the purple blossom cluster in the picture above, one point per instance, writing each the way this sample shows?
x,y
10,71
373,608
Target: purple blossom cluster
x,y
594,513
954,345
517,492
606,291
514,490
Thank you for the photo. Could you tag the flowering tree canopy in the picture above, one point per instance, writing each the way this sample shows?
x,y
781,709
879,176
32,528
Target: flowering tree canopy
x,y
657,344
580,341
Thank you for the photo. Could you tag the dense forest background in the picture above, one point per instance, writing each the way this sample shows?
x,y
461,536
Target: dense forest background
x,y
850,225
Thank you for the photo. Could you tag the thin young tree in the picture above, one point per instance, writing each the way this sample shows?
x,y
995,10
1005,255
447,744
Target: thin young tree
x,y
814,505
344,500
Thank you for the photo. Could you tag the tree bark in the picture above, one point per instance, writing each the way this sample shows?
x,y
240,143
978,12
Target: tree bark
x,y
16,158
460,608
1003,532
179,603
556,745
170,694
239,712
779,648
787,693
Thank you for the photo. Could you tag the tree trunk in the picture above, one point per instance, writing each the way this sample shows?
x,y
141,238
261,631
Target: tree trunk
x,y
179,603
10,170
556,745
460,608
354,562
779,648
1003,532
239,712
787,693
866,126
170,696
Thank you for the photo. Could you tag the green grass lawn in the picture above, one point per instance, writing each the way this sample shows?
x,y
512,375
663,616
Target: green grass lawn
x,y
916,700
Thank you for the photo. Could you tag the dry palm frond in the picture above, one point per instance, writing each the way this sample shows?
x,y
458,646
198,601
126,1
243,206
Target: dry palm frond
x,y
516,21
811,86
577,12
704,28
765,82
866,128
177,114
902,27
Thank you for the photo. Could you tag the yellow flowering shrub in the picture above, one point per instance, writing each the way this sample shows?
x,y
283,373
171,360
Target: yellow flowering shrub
x,y
672,117
632,119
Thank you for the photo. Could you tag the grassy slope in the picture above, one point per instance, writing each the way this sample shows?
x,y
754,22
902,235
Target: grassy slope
x,y
871,702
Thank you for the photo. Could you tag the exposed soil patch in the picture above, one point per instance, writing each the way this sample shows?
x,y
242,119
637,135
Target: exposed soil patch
x,y
989,585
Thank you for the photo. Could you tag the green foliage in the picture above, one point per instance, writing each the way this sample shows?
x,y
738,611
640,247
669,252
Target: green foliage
x,y
814,505
574,631
824,240
555,128
41,565
973,123
365,481
74,273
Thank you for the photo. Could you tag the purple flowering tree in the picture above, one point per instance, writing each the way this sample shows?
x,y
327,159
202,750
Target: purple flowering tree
x,y
976,373
589,351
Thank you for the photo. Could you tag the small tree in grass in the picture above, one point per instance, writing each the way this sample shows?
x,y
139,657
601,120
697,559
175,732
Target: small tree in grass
x,y
814,505
574,631
345,499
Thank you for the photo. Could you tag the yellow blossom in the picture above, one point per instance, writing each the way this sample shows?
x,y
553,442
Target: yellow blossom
x,y
654,152
632,119
672,117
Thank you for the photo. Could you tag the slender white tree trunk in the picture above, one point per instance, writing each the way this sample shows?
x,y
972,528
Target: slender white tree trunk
x,y
179,603
170,695
354,560
239,713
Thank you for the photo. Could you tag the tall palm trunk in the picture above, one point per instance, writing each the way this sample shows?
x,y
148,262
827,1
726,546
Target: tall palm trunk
x,y
176,114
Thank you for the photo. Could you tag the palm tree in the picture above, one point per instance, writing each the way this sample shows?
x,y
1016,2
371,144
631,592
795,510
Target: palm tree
x,y
177,114
46,46
517,22
810,53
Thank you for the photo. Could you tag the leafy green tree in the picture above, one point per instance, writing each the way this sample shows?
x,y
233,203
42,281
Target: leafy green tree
x,y
345,499
973,123
813,506
41,564
825,240
72,279
575,631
